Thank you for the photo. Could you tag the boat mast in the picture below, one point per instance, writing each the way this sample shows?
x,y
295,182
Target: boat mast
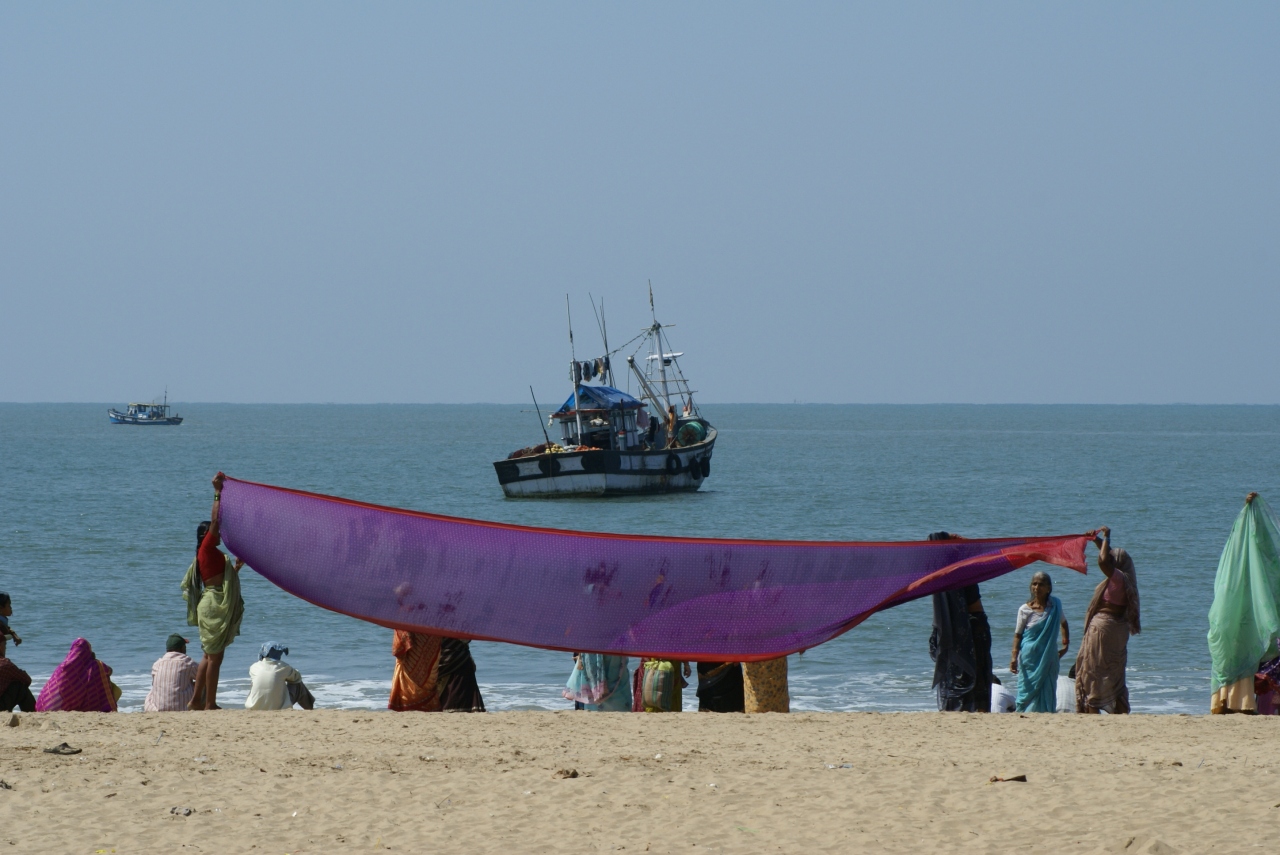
x,y
574,372
656,329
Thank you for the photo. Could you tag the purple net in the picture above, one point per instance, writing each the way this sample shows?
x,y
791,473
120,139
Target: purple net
x,y
676,598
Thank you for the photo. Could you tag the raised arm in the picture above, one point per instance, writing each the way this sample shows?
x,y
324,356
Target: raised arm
x,y
1106,561
214,515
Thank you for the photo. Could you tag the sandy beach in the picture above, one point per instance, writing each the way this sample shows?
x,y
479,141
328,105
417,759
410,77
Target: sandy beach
x,y
357,781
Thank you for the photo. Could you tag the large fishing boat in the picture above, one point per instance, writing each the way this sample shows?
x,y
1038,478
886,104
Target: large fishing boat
x,y
611,443
145,414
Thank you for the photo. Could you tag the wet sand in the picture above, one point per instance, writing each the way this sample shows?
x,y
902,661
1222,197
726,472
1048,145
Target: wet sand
x,y
332,781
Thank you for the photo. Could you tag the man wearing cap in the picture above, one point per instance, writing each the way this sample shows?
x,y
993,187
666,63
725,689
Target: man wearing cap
x,y
173,678
276,685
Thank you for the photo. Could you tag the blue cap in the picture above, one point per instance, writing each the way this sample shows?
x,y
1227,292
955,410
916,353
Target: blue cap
x,y
273,650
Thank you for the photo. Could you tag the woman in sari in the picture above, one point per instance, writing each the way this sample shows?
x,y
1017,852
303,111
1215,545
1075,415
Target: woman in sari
x,y
414,683
764,686
1035,654
80,684
658,685
1111,618
212,591
960,647
720,687
601,683
456,677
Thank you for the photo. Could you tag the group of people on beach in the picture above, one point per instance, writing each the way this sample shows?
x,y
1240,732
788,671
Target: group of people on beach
x,y
961,643
438,674
211,587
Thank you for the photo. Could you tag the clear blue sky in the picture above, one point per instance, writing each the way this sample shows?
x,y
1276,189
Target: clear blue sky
x,y
898,202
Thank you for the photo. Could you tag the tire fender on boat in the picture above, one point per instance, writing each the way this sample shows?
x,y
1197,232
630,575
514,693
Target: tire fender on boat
x,y
705,466
695,468
549,465
673,463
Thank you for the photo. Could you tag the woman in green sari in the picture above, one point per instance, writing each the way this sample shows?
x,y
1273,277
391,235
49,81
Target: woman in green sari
x,y
212,591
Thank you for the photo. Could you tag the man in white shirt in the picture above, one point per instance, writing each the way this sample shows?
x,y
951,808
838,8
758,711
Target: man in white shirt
x,y
275,685
173,678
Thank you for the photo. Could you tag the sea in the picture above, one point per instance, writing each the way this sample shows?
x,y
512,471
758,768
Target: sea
x,y
97,525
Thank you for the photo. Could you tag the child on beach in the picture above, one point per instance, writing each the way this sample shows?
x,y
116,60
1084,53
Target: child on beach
x,y
6,609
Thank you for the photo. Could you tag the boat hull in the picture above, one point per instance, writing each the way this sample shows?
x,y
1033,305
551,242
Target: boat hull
x,y
119,418
607,473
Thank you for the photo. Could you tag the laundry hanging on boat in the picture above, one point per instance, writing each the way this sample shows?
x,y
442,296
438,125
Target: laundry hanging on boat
x,y
701,599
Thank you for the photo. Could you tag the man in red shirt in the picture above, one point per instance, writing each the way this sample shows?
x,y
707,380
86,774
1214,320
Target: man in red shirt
x,y
15,684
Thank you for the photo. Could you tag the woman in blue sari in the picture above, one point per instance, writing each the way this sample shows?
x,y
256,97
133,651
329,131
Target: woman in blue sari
x,y
601,683
1035,653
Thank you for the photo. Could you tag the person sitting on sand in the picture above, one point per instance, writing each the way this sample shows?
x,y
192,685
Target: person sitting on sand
x,y
1035,657
15,684
80,684
6,612
1111,618
276,685
212,591
600,682
173,678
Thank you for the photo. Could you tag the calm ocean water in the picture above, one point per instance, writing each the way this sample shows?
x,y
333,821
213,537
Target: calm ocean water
x,y
97,524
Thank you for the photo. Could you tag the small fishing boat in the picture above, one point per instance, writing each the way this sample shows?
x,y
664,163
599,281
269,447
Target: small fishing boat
x,y
611,443
145,414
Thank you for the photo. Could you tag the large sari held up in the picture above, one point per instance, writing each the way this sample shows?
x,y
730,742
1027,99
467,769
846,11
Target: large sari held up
x,y
1244,619
1038,662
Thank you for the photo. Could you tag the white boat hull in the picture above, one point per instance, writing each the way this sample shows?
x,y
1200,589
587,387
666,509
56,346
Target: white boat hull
x,y
605,473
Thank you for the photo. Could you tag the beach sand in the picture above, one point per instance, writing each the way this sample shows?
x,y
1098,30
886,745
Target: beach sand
x,y
336,781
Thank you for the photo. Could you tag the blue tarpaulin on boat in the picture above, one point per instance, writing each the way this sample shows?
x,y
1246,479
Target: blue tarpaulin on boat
x,y
600,398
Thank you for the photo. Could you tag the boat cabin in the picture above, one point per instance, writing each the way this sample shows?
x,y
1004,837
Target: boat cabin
x,y
603,417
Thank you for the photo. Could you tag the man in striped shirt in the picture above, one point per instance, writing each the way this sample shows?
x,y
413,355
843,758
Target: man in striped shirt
x,y
173,678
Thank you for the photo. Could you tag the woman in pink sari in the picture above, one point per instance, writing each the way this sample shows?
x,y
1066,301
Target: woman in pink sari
x,y
80,684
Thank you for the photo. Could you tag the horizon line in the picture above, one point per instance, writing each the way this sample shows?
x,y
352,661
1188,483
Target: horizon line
x,y
794,403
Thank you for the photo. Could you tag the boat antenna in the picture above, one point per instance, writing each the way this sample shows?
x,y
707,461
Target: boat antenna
x,y
604,333
537,410
574,372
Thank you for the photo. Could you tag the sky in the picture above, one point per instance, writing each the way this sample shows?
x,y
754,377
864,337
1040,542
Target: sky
x,y
842,203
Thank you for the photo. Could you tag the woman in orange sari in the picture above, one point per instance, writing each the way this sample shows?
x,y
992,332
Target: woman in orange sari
x,y
414,683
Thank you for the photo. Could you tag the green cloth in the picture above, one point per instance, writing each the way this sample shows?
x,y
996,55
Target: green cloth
x,y
217,610
1244,619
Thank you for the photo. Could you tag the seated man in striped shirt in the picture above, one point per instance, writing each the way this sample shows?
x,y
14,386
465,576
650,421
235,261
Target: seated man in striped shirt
x,y
173,678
